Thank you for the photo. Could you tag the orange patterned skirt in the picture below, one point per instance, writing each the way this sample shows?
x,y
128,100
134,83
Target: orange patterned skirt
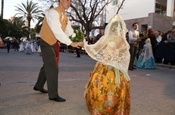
x,y
104,96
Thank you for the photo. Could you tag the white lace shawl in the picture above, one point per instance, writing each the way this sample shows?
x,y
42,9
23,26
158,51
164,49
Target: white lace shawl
x,y
112,48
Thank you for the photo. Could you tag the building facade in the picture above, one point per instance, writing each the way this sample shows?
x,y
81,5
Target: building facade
x,y
156,14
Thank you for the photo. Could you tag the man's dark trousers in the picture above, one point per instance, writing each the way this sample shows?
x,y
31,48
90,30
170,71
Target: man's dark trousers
x,y
49,71
133,51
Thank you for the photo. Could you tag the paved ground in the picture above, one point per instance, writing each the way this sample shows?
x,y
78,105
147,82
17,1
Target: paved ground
x,y
152,91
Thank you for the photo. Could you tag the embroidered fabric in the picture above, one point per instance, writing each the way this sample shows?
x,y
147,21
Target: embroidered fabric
x,y
112,48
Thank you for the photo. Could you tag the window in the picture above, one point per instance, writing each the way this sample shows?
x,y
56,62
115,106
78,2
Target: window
x,y
160,9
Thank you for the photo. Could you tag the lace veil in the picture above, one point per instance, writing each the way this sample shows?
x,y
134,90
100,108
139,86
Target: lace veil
x,y
148,50
112,48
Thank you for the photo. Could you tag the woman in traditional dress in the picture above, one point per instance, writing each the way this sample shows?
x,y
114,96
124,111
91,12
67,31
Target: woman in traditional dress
x,y
28,47
146,58
108,90
21,46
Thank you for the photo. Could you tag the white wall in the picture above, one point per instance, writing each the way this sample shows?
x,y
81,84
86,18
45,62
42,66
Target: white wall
x,y
170,8
132,9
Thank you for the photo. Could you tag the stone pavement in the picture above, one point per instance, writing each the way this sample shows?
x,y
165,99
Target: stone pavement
x,y
152,91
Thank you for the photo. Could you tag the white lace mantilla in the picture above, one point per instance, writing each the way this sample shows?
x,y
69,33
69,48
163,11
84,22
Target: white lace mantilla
x,y
112,48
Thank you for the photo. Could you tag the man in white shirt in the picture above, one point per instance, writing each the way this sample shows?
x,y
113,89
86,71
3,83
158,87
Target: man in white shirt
x,y
133,35
56,28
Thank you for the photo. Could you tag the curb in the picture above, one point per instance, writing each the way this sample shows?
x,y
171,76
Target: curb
x,y
166,65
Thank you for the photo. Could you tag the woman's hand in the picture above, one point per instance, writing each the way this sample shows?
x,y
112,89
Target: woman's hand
x,y
77,44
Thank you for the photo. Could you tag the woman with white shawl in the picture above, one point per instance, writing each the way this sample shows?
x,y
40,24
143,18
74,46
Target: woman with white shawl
x,y
146,59
108,90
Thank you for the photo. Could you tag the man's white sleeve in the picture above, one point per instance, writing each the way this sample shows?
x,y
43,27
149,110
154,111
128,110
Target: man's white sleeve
x,y
69,30
52,17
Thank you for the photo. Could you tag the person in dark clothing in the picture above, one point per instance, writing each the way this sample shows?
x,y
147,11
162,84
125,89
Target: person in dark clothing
x,y
101,33
152,37
158,57
8,44
77,52
141,44
169,48
16,45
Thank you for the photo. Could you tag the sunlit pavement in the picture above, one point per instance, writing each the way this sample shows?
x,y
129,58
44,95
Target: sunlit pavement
x,y
152,91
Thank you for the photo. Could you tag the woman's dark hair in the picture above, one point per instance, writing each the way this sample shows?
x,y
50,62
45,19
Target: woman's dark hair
x,y
134,24
150,33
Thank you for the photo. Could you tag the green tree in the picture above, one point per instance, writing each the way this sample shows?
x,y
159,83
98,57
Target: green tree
x,y
4,27
14,28
28,11
18,27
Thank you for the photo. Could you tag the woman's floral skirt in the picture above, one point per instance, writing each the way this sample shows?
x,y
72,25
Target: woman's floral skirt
x,y
106,97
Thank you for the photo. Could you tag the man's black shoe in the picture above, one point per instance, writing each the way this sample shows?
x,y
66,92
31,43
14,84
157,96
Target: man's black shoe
x,y
42,91
58,99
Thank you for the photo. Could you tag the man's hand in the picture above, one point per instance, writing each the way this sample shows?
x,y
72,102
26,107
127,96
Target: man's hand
x,y
77,44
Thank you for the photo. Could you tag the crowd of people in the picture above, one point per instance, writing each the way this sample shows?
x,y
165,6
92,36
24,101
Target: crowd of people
x,y
152,48
28,46
148,49
155,48
163,45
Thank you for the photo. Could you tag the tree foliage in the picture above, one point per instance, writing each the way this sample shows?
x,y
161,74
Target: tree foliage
x,y
28,11
14,28
77,36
